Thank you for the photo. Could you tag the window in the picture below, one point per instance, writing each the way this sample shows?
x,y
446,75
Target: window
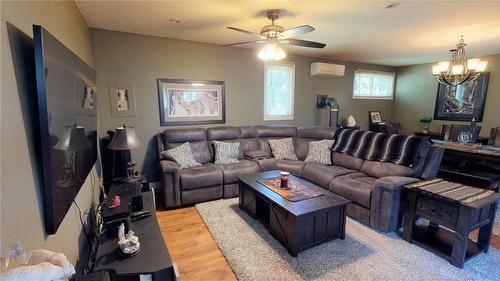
x,y
373,85
279,81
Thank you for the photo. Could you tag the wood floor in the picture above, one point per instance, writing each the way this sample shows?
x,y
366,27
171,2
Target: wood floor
x,y
191,246
194,250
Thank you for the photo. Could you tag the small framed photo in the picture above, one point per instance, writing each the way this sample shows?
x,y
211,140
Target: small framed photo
x,y
375,117
89,98
122,100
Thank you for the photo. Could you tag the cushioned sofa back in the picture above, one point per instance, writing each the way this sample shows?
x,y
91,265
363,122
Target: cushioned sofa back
x,y
197,138
269,132
248,136
226,134
307,134
382,169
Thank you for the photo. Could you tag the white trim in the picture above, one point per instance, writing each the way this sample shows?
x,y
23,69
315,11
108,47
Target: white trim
x,y
292,87
385,73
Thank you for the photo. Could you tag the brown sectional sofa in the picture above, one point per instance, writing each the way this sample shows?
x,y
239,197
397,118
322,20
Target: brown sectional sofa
x,y
373,187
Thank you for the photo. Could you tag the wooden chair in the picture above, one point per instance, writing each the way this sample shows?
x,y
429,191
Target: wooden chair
x,y
494,137
454,130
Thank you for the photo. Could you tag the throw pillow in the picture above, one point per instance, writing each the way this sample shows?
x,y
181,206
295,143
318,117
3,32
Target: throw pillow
x,y
320,152
283,149
182,155
226,152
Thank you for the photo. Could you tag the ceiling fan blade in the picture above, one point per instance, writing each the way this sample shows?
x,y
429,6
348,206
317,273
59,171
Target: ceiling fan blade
x,y
304,43
246,42
298,30
245,31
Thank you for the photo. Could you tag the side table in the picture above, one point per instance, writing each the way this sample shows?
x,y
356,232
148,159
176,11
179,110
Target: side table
x,y
454,210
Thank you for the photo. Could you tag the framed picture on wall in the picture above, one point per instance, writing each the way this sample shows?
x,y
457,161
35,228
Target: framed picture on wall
x,y
191,102
463,102
122,101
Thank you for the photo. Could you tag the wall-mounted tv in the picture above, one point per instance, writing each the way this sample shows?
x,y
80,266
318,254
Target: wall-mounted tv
x,y
66,88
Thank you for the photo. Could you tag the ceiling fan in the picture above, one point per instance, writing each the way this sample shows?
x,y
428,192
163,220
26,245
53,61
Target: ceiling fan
x,y
274,34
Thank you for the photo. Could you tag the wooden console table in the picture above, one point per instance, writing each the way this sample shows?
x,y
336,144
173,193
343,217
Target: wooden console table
x,y
153,261
454,210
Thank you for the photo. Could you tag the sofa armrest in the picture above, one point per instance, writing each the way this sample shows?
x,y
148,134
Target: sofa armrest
x,y
385,202
432,162
170,180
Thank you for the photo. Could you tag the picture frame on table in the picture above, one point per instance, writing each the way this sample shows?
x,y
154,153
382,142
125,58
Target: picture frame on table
x,y
122,101
191,102
374,117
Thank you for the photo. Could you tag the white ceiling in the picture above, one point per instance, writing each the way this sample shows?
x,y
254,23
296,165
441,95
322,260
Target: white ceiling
x,y
413,33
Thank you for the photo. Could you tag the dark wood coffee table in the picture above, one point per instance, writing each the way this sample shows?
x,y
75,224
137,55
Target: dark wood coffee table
x,y
296,225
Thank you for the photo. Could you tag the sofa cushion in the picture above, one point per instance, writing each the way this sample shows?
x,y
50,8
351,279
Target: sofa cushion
x,y
283,149
380,169
206,175
244,167
347,161
182,155
226,152
293,166
320,152
323,174
223,133
356,187
196,137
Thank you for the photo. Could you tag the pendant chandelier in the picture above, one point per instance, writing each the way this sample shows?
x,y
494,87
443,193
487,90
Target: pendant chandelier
x,y
460,69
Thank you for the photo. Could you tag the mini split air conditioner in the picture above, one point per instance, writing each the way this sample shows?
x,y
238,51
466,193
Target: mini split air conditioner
x,y
327,69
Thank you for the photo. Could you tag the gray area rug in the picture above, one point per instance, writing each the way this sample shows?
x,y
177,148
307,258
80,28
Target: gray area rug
x,y
365,254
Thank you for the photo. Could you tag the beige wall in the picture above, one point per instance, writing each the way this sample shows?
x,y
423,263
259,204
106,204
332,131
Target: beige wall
x,y
138,60
416,91
21,196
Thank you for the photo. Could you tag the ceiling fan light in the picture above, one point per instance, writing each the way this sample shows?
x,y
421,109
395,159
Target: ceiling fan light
x,y
271,52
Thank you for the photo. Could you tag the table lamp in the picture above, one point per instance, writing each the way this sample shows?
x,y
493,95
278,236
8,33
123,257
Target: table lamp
x,y
72,140
125,138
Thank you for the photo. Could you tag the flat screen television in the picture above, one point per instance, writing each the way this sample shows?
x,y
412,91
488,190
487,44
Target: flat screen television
x,y
66,89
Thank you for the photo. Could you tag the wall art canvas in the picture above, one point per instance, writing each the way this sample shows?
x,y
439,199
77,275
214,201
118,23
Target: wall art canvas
x,y
463,102
190,102
122,101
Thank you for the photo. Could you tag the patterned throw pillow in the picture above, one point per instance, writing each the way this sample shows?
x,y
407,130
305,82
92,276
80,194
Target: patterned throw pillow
x,y
320,152
283,149
226,152
182,155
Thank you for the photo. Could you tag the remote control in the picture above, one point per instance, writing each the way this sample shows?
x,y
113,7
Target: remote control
x,y
140,213
145,215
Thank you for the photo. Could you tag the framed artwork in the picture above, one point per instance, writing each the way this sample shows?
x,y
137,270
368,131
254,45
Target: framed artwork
x,y
374,117
191,102
88,98
463,102
122,101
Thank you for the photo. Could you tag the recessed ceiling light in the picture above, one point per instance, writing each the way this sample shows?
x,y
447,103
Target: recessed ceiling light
x,y
393,5
171,20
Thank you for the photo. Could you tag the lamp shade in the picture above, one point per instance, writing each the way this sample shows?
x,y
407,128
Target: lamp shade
x,y
125,138
73,138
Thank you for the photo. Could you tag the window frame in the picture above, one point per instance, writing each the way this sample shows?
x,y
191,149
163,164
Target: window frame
x,y
391,97
292,87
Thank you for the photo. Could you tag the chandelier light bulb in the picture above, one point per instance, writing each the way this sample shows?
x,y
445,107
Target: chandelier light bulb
x,y
271,52
459,69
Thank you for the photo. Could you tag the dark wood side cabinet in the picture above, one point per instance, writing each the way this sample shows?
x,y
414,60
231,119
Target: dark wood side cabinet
x,y
447,235
296,225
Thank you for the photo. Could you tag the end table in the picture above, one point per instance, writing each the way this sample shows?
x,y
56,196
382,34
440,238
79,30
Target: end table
x,y
454,210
